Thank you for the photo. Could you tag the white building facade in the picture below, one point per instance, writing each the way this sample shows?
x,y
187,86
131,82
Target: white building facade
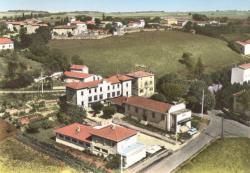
x,y
85,93
6,43
243,47
240,74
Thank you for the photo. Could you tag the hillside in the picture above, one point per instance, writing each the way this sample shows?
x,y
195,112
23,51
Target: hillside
x,y
224,156
159,51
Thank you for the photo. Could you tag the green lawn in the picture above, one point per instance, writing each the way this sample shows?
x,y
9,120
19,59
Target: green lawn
x,y
159,51
15,157
223,156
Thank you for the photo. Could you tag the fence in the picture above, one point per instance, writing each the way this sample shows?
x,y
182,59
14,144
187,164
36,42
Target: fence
x,y
55,152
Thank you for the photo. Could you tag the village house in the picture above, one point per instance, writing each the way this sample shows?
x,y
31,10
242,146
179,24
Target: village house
x,y
6,43
31,25
136,24
168,117
85,93
104,140
240,74
63,30
143,83
243,47
79,73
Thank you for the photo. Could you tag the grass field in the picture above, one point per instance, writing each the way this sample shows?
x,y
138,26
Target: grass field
x,y
224,156
159,51
18,158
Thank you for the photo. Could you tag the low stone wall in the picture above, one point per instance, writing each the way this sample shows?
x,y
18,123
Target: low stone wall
x,y
55,152
82,37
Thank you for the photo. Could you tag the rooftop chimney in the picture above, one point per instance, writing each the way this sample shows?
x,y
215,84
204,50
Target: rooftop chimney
x,y
78,129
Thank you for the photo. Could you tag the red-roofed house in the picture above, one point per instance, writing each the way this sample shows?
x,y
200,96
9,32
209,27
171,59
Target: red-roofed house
x,y
79,68
71,76
240,74
104,140
6,43
243,47
143,83
157,114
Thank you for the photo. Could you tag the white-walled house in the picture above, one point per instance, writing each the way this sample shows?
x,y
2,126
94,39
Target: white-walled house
x,y
240,74
104,140
6,43
85,93
243,47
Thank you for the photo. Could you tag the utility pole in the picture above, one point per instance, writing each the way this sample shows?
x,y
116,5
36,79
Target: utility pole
x,y
42,81
202,103
222,127
121,164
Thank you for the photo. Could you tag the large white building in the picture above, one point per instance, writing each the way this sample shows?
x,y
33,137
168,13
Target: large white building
x,y
104,140
240,74
6,43
85,93
243,47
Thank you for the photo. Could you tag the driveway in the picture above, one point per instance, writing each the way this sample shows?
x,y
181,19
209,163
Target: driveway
x,y
213,131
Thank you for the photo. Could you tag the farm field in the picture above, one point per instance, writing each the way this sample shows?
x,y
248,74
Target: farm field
x,y
16,157
158,51
223,156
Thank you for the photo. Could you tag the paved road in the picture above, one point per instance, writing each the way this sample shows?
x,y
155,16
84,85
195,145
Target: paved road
x,y
231,129
30,92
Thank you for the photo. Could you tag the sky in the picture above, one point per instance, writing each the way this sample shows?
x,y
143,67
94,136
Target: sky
x,y
124,5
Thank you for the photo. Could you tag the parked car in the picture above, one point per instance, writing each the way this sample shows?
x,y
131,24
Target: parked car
x,y
192,131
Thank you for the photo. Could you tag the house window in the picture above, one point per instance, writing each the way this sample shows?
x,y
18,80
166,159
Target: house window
x,y
108,87
127,93
67,138
153,115
127,84
113,86
118,85
97,148
82,93
73,140
95,90
101,89
136,110
141,91
82,103
162,117
108,95
113,94
90,99
101,96
95,98
118,93
90,91
151,82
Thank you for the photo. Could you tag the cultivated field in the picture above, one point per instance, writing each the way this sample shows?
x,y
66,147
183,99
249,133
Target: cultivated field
x,y
224,156
158,51
15,157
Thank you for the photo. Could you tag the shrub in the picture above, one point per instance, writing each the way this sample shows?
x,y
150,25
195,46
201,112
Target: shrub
x,y
46,124
97,107
108,111
113,161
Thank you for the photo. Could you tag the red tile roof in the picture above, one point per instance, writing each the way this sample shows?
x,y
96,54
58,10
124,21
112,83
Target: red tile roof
x,y
118,78
65,27
139,74
148,104
82,85
243,42
245,66
83,134
119,100
78,22
78,67
5,40
71,74
114,132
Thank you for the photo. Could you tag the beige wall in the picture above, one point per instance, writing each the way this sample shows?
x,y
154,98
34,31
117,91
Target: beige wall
x,y
155,119
144,86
